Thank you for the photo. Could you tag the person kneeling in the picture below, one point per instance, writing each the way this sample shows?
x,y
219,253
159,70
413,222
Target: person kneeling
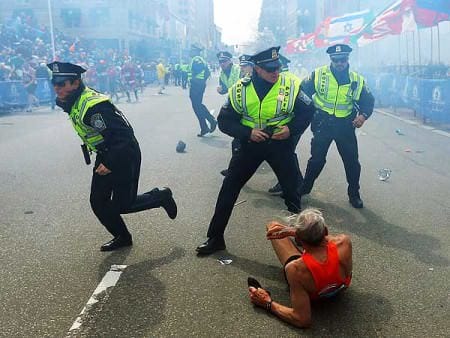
x,y
320,267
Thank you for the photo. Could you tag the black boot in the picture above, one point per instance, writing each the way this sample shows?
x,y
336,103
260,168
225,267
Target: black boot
x,y
168,203
356,201
213,244
117,243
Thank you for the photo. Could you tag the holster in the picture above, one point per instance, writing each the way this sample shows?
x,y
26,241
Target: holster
x,y
86,154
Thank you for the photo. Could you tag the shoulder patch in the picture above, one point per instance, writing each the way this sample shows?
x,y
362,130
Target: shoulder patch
x,y
97,122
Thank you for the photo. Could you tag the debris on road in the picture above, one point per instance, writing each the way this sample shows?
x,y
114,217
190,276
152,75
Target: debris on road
x,y
240,202
384,174
399,132
225,261
181,146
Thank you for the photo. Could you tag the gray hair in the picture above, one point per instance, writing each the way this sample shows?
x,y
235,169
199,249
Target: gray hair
x,y
310,226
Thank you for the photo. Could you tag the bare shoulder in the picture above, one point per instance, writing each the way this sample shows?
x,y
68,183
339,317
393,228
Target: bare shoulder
x,y
341,240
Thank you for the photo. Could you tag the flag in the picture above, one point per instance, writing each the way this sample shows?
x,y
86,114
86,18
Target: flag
x,y
394,20
341,29
300,45
429,13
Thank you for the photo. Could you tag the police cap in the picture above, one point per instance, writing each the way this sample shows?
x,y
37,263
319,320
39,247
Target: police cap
x,y
224,56
245,60
339,50
267,59
62,71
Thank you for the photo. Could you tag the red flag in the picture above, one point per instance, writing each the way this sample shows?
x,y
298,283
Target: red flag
x,y
301,45
394,20
430,13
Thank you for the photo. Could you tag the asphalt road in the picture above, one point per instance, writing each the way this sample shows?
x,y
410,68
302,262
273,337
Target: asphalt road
x,y
49,237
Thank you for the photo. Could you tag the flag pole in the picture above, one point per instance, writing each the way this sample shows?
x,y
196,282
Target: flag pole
x,y
439,43
431,30
52,36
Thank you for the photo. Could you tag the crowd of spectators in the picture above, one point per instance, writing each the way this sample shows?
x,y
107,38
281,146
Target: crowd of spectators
x,y
26,48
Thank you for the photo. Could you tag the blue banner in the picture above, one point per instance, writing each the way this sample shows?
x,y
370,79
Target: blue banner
x,y
429,98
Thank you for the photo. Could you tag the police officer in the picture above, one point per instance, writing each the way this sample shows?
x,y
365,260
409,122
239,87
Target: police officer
x,y
198,74
184,69
229,72
246,65
264,113
343,103
105,131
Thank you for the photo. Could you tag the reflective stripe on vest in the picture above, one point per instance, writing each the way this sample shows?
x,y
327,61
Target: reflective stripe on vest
x,y
232,78
201,75
333,98
89,135
274,110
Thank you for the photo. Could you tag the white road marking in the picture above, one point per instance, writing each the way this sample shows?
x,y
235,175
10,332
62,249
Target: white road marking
x,y
432,129
109,280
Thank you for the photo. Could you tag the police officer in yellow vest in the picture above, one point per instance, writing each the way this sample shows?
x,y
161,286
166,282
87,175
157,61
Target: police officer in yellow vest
x,y
198,74
265,114
104,130
343,103
229,73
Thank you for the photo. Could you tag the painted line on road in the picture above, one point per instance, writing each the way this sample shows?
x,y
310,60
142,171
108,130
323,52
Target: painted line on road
x,y
432,129
109,280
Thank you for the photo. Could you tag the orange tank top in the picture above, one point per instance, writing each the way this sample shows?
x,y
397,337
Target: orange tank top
x,y
326,275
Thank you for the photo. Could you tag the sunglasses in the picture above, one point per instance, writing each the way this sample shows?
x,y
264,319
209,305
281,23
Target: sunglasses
x,y
271,69
339,60
59,83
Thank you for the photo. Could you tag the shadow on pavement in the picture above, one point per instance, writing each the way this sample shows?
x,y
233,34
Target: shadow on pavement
x,y
376,229
135,303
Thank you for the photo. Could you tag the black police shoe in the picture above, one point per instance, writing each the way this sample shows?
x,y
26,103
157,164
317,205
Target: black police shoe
x,y
356,202
213,126
276,189
203,133
117,243
213,244
168,203
224,172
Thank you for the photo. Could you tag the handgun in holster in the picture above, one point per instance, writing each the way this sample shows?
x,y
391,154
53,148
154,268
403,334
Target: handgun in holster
x,y
86,154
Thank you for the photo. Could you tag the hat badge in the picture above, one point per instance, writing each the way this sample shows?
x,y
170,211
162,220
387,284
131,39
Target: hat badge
x,y
55,68
274,54
338,49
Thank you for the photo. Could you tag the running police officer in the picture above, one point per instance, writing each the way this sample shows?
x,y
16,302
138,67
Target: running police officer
x,y
229,72
342,103
264,113
198,74
105,131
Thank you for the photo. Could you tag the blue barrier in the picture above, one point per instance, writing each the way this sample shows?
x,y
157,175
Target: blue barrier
x,y
13,93
429,98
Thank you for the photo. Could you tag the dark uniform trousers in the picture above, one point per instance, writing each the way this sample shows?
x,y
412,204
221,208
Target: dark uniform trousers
x,y
116,193
244,163
196,92
326,129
